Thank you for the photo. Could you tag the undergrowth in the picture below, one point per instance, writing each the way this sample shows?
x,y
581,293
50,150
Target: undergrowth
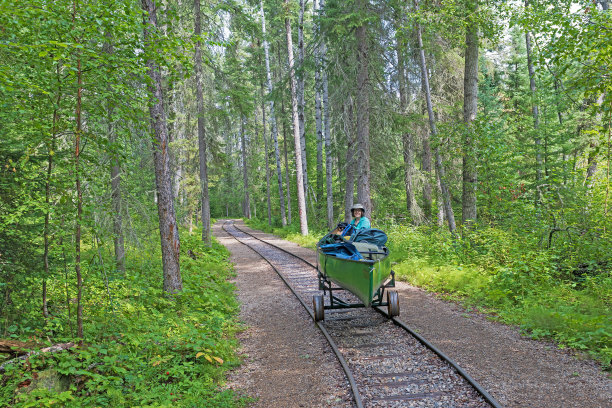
x,y
141,347
506,275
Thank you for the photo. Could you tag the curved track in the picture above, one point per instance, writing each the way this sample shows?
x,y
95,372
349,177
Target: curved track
x,y
385,366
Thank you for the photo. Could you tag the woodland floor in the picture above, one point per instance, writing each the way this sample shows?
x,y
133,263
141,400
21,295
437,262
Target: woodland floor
x,y
288,363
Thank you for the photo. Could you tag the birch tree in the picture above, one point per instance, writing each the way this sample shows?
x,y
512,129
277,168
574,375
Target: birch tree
x,y
296,129
301,72
272,117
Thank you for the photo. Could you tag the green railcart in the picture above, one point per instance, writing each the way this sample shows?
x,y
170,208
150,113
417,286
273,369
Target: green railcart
x,y
367,278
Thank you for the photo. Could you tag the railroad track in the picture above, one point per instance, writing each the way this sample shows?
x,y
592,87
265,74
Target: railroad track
x,y
386,363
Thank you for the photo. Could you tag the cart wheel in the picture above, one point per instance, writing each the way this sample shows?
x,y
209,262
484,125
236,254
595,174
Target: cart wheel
x,y
393,303
319,310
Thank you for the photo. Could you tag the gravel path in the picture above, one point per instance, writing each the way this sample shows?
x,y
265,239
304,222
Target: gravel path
x,y
517,371
287,362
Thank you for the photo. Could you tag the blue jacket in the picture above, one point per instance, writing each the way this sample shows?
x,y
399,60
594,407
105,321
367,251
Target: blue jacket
x,y
363,223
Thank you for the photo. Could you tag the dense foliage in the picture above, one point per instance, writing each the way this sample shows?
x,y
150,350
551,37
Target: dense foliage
x,y
142,347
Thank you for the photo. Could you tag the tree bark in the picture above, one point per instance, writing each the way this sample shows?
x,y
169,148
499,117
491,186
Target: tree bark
x,y
77,170
327,136
272,116
318,119
363,114
300,96
115,171
448,209
176,162
116,202
170,242
51,153
245,177
349,190
470,104
296,131
263,121
285,150
426,165
412,207
534,107
406,136
287,172
205,197
77,179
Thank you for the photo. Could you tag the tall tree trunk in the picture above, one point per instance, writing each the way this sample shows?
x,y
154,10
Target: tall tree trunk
x,y
363,114
116,201
470,103
534,107
406,137
327,131
176,136
300,95
263,121
77,170
287,177
115,171
322,88
170,242
426,166
328,151
51,153
412,207
349,190
245,178
319,124
439,199
273,126
205,197
595,148
77,180
564,157
448,209
296,131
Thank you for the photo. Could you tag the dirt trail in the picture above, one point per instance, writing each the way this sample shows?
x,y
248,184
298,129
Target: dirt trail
x,y
517,371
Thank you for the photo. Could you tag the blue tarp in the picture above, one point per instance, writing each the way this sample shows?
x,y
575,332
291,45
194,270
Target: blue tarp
x,y
370,235
344,250
337,246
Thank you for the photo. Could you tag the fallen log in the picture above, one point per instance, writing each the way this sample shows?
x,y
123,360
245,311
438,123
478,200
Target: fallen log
x,y
16,347
51,349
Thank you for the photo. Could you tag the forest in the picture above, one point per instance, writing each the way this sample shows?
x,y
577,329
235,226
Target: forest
x,y
477,134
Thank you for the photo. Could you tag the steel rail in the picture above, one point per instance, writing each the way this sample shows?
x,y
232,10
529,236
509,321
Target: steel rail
x,y
485,395
345,367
